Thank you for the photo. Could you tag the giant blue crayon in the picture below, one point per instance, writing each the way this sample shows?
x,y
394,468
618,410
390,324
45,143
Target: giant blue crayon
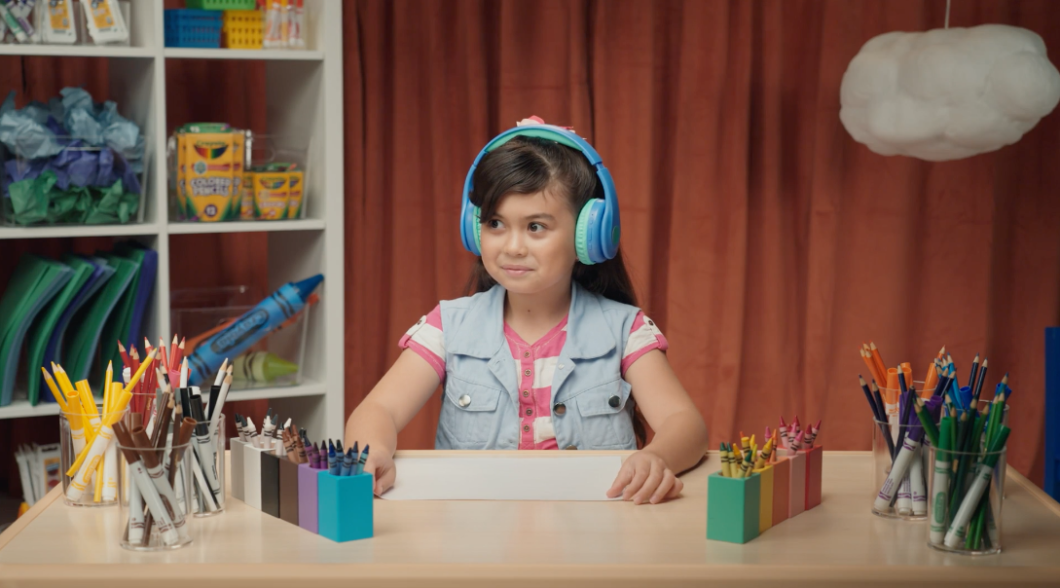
x,y
248,329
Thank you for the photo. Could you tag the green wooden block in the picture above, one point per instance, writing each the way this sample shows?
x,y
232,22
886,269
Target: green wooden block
x,y
732,507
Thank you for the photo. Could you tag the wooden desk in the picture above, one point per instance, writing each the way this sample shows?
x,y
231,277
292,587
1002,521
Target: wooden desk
x,y
458,544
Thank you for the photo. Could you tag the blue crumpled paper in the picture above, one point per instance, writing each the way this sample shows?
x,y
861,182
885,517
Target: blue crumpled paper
x,y
70,160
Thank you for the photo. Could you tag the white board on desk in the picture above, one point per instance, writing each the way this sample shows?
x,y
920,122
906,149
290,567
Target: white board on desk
x,y
503,478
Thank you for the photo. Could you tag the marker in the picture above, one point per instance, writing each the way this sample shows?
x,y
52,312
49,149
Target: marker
x,y
955,535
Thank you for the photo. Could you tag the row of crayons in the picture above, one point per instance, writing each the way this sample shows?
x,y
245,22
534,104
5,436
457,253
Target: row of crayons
x,y
968,439
295,444
786,440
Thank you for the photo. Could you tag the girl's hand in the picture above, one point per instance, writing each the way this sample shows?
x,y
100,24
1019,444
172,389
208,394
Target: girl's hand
x,y
644,477
381,466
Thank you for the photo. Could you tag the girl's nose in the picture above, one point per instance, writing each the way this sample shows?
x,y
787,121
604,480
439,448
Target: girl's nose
x,y
515,245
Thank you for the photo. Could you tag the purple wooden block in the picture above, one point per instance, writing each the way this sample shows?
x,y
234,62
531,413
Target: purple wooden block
x,y
307,497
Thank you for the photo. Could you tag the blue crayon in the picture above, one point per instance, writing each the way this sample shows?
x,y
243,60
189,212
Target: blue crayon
x,y
347,463
338,446
248,329
361,462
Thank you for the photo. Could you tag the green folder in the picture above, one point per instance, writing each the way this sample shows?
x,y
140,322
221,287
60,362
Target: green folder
x,y
35,281
43,327
117,326
89,321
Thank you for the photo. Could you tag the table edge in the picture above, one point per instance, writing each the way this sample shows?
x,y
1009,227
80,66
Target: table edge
x,y
23,521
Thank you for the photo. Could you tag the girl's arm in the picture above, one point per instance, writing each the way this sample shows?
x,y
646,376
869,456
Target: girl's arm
x,y
680,434
386,410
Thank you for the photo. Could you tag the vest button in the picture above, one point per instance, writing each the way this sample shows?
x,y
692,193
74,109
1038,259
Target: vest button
x,y
463,401
560,409
570,447
614,401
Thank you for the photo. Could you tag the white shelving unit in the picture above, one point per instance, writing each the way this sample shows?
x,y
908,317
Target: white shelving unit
x,y
304,102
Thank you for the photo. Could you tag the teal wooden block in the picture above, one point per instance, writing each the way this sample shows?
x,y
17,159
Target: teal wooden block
x,y
344,507
732,507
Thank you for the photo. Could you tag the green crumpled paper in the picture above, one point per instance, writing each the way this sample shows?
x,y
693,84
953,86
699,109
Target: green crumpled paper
x,y
40,200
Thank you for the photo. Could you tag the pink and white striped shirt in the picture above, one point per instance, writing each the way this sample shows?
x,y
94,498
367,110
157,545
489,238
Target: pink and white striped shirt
x,y
537,359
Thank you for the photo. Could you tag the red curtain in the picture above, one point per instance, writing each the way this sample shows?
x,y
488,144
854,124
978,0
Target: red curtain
x,y
763,239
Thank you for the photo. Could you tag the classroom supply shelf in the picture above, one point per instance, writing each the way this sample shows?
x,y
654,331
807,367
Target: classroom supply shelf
x,y
247,227
261,54
304,94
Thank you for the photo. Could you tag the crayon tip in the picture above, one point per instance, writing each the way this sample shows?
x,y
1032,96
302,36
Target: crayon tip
x,y
306,286
783,425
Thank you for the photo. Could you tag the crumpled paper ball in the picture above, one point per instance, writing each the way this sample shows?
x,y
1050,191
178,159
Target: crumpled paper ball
x,y
948,93
69,161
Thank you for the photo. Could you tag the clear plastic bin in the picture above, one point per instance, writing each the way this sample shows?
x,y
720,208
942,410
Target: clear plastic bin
x,y
52,190
275,360
257,192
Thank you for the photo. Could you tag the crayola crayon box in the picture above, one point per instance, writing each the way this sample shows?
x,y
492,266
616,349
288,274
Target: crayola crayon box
x,y
271,194
212,175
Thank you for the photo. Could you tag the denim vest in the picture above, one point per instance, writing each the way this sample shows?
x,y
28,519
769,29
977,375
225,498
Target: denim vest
x,y
590,399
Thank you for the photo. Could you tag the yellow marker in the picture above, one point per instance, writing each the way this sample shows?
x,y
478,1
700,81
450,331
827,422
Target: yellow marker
x,y
59,399
139,374
88,402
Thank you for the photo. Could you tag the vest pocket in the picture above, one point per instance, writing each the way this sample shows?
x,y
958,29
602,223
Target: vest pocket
x,y
469,413
605,422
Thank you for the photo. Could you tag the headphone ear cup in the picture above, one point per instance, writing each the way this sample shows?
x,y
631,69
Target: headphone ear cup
x,y
587,233
477,228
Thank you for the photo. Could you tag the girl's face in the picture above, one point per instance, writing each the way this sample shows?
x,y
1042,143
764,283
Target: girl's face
x,y
528,245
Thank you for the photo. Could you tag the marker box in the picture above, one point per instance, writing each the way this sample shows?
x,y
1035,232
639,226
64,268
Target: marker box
x,y
252,457
345,506
813,475
270,484
307,497
781,489
236,465
765,503
733,505
289,491
797,497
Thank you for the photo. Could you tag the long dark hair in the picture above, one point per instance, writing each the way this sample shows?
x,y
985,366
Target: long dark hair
x,y
527,165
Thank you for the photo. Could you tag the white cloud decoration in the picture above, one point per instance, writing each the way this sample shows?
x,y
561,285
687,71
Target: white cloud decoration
x,y
948,93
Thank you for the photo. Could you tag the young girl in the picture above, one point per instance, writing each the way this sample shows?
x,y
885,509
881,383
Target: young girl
x,y
550,351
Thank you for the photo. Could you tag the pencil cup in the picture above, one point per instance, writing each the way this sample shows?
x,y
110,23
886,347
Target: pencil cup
x,y
814,461
899,488
345,507
797,485
765,502
253,458
92,480
158,513
781,489
209,449
236,449
965,518
289,495
733,505
270,484
308,517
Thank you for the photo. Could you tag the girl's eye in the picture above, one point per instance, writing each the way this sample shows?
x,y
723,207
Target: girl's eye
x,y
536,227
494,224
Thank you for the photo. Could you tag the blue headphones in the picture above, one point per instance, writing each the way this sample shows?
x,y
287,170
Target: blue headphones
x,y
598,228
